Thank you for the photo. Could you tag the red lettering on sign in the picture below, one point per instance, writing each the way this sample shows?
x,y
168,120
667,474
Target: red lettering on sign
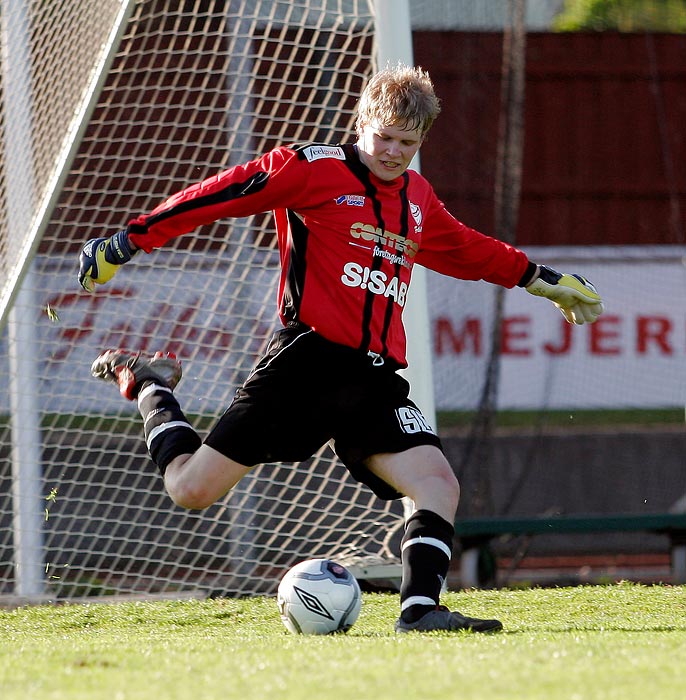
x,y
70,335
564,343
604,336
607,337
513,329
174,327
653,331
448,340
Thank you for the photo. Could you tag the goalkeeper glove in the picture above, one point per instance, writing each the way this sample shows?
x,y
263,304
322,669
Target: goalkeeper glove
x,y
575,297
101,258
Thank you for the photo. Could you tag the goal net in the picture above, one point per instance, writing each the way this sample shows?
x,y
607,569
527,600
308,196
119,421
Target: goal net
x,y
110,106
176,93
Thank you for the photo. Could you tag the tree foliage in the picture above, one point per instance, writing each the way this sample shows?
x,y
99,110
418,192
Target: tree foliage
x,y
623,16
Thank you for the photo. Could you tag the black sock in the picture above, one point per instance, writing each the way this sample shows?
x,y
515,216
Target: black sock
x,y
168,433
426,552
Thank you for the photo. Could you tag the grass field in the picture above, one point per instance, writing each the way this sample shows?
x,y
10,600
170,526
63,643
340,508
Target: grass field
x,y
578,418
574,419
623,641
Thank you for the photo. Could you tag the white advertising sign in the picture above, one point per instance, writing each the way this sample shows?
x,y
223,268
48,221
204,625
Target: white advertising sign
x,y
633,356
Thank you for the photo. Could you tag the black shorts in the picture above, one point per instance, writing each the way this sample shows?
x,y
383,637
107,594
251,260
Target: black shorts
x,y
306,391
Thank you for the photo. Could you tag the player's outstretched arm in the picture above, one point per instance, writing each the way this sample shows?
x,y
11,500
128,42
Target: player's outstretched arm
x,y
101,258
575,297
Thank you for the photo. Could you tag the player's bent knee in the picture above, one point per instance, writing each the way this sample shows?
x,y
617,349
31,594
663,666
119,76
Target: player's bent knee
x,y
441,474
451,485
447,486
190,496
438,489
197,481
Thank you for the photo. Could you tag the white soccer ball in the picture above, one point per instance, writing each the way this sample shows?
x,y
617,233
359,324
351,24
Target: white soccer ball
x,y
318,596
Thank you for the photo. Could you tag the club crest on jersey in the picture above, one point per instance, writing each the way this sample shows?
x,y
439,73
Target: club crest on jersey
x,y
317,152
352,200
416,212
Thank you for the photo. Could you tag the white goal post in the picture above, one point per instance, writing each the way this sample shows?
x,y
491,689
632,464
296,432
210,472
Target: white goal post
x,y
155,95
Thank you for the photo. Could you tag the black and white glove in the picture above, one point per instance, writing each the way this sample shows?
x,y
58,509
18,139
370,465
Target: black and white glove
x,y
101,258
575,297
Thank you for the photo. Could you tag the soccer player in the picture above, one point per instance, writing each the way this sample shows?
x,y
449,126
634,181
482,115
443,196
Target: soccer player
x,y
352,221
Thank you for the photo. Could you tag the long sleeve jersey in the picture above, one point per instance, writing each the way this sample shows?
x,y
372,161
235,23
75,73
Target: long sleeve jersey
x,y
347,240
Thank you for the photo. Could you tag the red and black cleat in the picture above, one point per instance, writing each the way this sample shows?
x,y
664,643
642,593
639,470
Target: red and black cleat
x,y
128,370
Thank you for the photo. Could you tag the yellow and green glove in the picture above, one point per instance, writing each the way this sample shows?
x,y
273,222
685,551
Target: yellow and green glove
x,y
575,297
101,258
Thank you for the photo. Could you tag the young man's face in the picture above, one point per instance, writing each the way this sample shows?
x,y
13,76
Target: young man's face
x,y
388,150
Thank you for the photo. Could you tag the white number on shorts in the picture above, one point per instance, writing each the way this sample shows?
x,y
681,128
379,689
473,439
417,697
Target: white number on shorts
x,y
412,421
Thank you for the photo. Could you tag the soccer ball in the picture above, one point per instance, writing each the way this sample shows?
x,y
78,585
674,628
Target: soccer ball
x,y
318,596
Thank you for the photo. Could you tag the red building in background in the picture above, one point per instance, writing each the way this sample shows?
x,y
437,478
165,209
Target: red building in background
x,y
604,143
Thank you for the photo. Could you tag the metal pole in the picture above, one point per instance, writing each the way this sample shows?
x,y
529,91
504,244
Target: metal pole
x,y
27,219
44,207
393,36
393,45
26,447
25,416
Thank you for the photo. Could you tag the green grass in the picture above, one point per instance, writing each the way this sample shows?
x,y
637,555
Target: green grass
x,y
519,418
623,641
571,418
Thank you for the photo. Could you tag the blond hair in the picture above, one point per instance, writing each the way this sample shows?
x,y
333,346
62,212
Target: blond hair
x,y
399,96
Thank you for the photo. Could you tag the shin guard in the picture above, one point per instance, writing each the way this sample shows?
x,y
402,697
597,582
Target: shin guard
x,y
426,553
168,433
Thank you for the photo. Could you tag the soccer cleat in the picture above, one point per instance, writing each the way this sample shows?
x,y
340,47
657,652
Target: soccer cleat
x,y
442,619
129,369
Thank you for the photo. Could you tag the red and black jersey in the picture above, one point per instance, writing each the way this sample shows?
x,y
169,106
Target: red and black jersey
x,y
348,241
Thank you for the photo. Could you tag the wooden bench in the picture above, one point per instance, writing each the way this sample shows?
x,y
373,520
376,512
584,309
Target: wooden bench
x,y
474,535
